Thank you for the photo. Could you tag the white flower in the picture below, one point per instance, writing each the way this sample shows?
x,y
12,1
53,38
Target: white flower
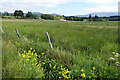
x,y
112,58
117,54
113,52
117,62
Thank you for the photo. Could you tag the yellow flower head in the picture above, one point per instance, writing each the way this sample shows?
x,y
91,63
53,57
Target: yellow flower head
x,y
81,70
23,56
29,51
36,54
93,68
42,53
29,56
59,77
35,59
83,75
24,51
59,72
63,74
30,48
43,62
67,72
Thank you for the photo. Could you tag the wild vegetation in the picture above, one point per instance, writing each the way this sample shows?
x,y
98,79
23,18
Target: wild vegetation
x,y
82,50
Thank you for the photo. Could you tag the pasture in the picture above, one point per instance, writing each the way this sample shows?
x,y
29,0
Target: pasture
x,y
81,50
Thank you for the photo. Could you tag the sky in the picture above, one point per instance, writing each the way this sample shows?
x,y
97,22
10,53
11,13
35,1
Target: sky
x,y
64,7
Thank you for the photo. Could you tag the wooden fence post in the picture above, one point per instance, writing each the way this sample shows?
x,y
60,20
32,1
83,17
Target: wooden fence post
x,y
18,34
1,29
48,38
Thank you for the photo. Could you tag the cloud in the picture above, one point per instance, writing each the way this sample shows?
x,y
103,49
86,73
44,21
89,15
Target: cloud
x,y
102,1
102,8
11,5
36,5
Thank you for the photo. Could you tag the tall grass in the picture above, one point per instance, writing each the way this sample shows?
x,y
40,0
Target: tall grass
x,y
76,44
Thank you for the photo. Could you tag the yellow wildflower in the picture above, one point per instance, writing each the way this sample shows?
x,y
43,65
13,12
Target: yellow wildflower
x,y
81,70
24,51
33,50
93,68
35,59
67,72
67,77
54,66
59,77
32,53
59,72
29,56
35,63
42,53
23,56
29,51
63,74
83,75
36,54
30,48
43,62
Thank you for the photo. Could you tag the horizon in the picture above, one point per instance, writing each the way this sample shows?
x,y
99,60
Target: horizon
x,y
66,7
67,15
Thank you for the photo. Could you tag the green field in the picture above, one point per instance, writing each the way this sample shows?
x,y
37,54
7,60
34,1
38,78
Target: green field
x,y
81,49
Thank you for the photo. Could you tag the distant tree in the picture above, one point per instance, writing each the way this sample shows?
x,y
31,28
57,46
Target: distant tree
x,y
6,13
29,15
96,16
47,16
35,16
21,13
67,18
90,16
0,14
18,13
71,18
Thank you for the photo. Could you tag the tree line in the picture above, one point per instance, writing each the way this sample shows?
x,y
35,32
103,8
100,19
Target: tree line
x,y
30,15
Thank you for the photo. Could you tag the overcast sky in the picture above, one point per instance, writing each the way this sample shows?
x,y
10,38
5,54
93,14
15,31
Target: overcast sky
x,y
66,7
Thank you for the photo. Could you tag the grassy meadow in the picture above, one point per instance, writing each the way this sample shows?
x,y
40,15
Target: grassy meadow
x,y
82,50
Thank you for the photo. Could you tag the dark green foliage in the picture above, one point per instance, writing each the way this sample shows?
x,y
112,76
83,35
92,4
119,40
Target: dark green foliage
x,y
18,13
34,16
29,15
47,16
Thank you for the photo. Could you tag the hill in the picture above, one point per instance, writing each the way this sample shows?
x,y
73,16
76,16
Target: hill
x,y
100,14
